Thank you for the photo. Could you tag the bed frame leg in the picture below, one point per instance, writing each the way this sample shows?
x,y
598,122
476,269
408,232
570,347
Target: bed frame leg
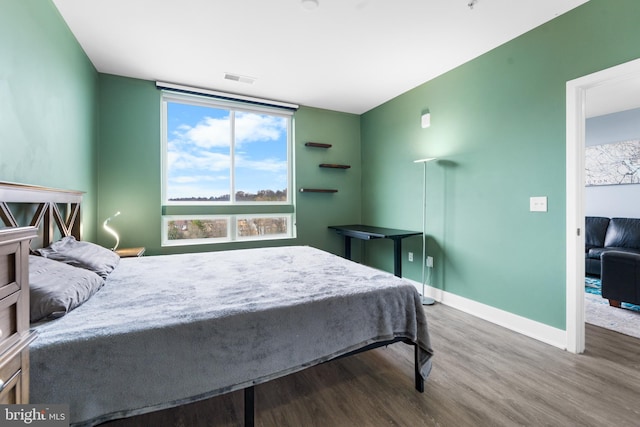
x,y
249,404
416,364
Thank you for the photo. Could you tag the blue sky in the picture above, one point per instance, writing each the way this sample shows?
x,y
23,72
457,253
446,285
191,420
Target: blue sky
x,y
199,151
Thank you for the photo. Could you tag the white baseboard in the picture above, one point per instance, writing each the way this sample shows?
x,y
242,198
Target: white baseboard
x,y
536,330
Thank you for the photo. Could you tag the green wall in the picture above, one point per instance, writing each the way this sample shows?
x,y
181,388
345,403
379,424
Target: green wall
x,y
316,211
48,93
129,171
129,161
498,130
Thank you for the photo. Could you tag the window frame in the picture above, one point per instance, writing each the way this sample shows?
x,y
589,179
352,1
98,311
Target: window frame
x,y
232,106
238,238
172,210
232,229
185,242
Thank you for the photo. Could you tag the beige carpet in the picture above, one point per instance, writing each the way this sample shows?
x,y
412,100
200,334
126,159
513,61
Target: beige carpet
x,y
598,312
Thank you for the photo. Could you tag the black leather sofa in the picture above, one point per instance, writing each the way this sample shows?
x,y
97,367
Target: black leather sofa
x,y
606,235
612,251
621,278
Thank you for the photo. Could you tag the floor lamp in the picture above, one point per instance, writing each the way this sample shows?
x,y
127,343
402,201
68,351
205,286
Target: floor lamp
x,y
425,299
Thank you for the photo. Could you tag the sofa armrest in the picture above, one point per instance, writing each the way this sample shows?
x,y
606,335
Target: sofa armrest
x,y
621,276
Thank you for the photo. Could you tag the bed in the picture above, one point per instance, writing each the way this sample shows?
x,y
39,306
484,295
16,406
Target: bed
x,y
166,330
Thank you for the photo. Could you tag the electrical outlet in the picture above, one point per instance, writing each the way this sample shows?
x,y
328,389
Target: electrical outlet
x,y
429,261
410,256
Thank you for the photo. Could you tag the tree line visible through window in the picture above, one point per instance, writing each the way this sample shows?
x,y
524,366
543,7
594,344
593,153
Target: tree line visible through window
x,y
191,229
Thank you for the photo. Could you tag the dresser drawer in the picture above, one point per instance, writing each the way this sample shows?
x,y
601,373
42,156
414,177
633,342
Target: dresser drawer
x,y
9,332
9,269
14,302
15,336
11,380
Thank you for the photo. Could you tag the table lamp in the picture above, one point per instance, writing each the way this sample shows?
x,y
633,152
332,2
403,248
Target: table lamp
x,y
111,231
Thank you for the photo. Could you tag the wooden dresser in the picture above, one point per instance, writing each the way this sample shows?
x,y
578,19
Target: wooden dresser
x,y
15,336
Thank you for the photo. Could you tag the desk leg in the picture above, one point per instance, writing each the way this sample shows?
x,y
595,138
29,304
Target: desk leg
x,y
249,406
397,257
347,247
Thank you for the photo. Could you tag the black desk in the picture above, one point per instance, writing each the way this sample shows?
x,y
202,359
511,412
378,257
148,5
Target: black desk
x,y
367,232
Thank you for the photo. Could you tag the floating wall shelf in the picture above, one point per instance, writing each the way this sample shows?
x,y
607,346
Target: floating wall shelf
x,y
317,145
334,166
323,165
317,190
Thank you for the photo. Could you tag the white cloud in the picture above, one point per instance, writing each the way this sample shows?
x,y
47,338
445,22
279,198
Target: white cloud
x,y
208,133
201,160
269,165
251,127
216,132
198,179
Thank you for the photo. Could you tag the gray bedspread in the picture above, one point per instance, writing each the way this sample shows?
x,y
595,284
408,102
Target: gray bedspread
x,y
167,330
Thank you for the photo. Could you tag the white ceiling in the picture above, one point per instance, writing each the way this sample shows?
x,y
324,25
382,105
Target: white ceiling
x,y
621,95
345,55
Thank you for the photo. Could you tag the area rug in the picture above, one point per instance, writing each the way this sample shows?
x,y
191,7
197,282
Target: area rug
x,y
625,320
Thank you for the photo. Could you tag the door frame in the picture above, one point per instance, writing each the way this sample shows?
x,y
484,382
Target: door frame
x,y
576,93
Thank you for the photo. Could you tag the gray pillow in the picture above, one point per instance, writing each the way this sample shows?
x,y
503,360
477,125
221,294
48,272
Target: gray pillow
x,y
85,255
56,288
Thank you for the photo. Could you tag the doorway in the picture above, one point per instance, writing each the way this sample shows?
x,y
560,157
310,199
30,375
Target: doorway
x,y
576,92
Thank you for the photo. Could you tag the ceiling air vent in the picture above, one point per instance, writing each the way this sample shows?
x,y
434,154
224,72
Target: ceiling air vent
x,y
239,78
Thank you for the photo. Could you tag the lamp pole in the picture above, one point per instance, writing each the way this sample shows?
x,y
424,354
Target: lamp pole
x,y
425,299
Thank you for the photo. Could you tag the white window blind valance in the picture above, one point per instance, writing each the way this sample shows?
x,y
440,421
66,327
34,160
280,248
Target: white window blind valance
x,y
226,96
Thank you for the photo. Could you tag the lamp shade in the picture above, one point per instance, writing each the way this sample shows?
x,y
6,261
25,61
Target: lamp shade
x,y
428,159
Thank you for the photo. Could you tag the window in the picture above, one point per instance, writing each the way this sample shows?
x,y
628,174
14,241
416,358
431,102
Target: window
x,y
201,229
261,226
227,169
189,229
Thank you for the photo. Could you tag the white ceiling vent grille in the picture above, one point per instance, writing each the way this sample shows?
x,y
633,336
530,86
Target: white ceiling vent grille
x,y
239,78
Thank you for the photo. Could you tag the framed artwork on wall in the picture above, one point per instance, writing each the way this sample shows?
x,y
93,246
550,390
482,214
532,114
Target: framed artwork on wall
x,y
612,164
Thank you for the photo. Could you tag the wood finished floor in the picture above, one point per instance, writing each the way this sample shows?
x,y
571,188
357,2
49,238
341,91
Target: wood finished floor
x,y
483,375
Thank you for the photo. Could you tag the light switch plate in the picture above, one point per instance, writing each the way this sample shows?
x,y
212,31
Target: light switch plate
x,y
538,204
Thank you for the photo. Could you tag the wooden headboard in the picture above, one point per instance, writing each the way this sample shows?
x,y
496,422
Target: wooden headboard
x,y
41,207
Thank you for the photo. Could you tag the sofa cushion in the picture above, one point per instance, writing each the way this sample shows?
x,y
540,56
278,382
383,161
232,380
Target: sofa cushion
x,y
623,233
595,230
596,253
592,266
